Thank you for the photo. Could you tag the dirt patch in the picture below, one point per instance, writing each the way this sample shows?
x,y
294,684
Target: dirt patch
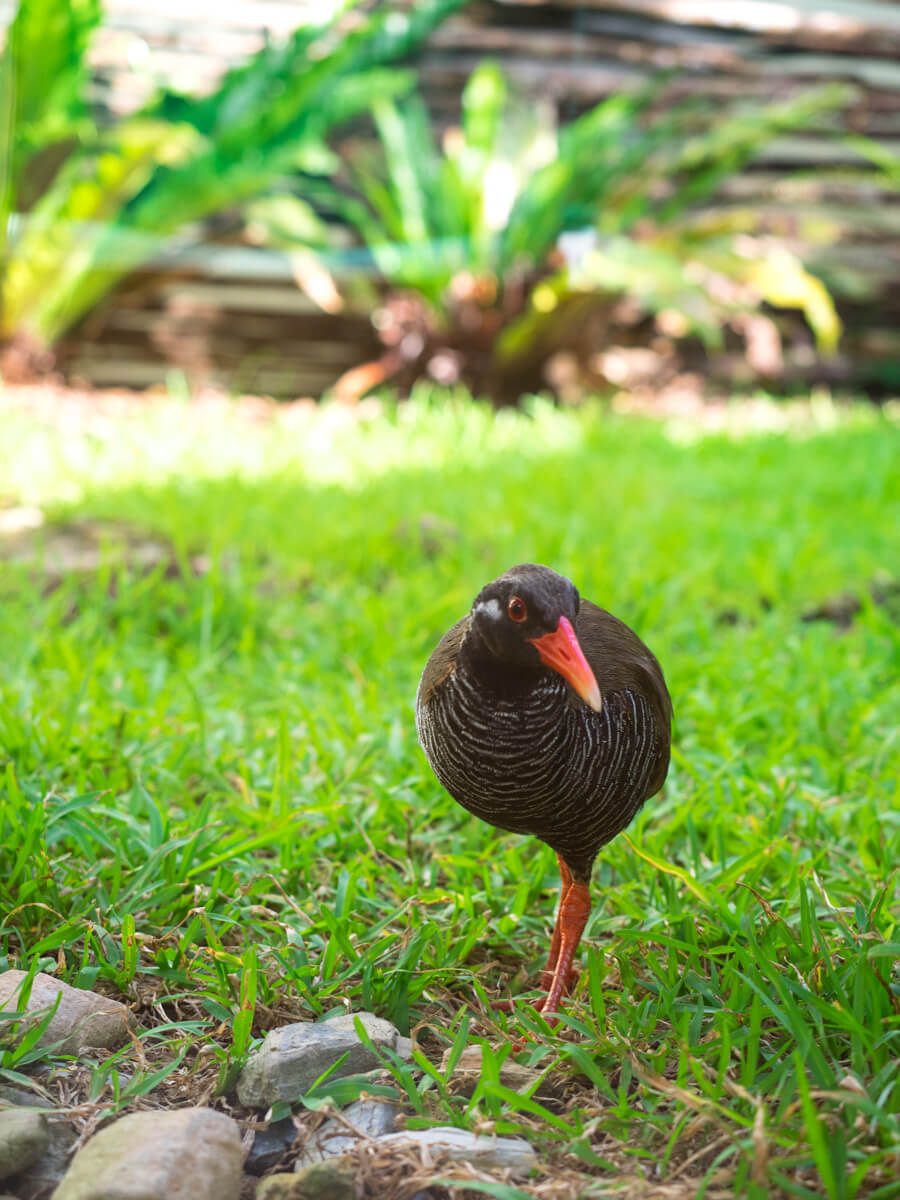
x,y
81,547
844,607
840,609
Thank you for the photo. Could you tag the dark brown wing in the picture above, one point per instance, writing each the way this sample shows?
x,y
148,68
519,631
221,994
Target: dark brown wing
x,y
620,661
443,659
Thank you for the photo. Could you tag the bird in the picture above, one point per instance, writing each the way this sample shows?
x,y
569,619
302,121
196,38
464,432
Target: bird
x,y
543,714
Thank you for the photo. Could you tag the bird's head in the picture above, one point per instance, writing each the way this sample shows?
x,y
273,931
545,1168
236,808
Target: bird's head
x,y
526,619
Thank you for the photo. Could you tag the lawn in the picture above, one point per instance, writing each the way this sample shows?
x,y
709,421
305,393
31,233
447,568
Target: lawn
x,y
214,806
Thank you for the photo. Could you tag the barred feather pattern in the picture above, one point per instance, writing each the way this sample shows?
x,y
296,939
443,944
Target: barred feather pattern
x,y
535,763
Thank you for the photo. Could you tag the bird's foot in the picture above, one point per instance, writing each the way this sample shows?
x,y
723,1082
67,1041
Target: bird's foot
x,y
539,1001
523,1039
537,1005
571,980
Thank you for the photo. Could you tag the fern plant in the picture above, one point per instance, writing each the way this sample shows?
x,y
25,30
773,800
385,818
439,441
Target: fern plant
x,y
465,238
43,110
122,193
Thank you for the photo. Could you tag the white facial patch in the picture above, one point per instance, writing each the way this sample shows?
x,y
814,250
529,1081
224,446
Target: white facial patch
x,y
491,608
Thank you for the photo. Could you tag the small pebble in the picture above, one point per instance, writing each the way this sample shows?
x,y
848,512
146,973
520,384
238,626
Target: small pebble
x,y
23,1139
269,1145
13,1097
292,1057
467,1071
179,1154
38,1181
372,1118
321,1181
83,1019
458,1145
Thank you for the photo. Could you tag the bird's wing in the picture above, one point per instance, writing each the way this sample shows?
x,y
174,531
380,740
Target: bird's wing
x,y
443,660
620,660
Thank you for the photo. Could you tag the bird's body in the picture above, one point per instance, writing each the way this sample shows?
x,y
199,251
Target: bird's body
x,y
554,723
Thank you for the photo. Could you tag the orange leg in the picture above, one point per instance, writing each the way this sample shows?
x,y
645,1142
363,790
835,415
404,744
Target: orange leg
x,y
559,975
547,975
574,910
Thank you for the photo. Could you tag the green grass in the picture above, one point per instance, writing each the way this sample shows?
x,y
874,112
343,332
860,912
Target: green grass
x,y
214,804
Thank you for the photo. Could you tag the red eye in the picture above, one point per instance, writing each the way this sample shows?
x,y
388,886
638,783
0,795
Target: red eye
x,y
517,610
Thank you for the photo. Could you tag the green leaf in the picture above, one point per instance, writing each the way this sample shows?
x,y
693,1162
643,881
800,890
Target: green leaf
x,y
884,950
43,85
407,188
501,1191
266,117
483,103
129,948
72,249
817,1134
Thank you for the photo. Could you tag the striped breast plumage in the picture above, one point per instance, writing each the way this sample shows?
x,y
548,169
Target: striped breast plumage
x,y
539,764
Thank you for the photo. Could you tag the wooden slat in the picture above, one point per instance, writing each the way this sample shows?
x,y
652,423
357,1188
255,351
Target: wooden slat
x,y
834,18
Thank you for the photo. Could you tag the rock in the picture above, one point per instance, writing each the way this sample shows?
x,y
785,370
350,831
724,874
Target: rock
x,y
467,1072
180,1154
24,1137
380,1031
83,1019
458,1145
371,1117
269,1145
322,1181
13,1097
39,1180
292,1058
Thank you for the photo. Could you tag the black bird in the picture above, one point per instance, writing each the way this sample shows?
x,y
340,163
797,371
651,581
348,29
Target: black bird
x,y
544,714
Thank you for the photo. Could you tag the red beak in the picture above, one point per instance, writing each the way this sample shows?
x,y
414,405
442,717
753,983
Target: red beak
x,y
561,652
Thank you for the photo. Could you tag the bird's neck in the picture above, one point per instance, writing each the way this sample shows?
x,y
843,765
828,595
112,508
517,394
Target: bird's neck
x,y
498,676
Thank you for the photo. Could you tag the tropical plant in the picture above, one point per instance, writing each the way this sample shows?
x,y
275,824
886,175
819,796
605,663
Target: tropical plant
x,y
465,240
123,192
43,110
699,275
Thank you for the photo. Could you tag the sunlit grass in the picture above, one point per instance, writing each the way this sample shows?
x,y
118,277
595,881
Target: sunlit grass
x,y
217,752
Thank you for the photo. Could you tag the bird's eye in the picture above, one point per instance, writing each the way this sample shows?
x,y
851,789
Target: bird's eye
x,y
517,610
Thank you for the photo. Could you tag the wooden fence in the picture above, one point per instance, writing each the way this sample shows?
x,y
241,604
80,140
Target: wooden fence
x,y
236,314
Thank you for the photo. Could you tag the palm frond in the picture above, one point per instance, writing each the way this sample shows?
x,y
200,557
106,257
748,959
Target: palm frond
x,y
43,88
267,119
72,248
601,147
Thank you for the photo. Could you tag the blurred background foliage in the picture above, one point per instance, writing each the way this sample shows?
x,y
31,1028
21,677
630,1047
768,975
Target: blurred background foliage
x,y
179,159
479,283
499,251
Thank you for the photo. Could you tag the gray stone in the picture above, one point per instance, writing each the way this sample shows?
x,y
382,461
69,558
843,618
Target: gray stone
x,y
23,1139
371,1118
39,1180
14,1097
292,1058
83,1019
458,1145
467,1072
322,1181
180,1154
269,1145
